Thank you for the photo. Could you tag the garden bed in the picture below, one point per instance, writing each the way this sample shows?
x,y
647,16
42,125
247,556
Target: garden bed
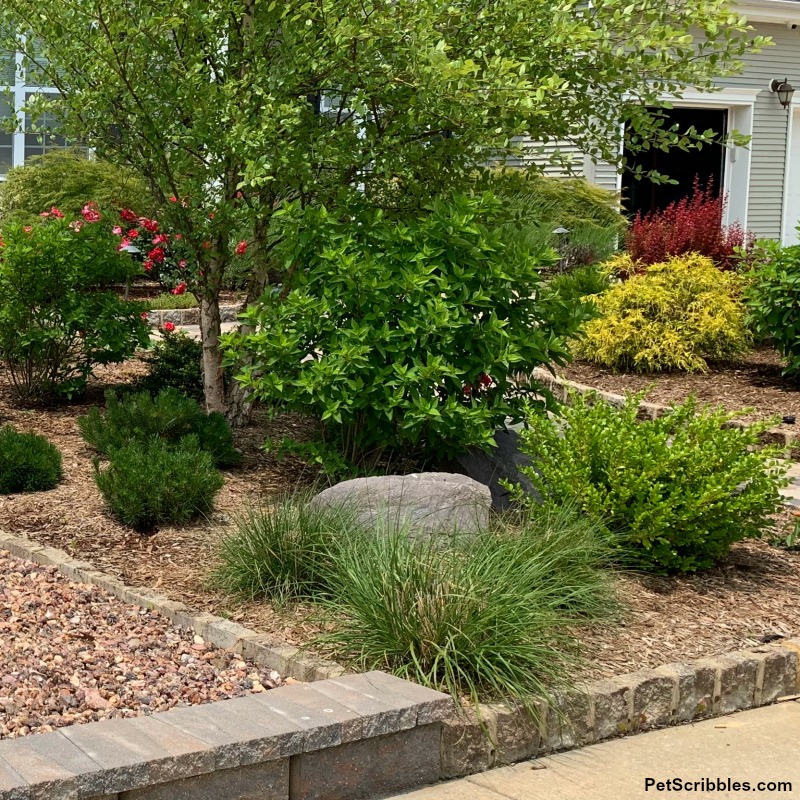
x,y
751,596
753,382
71,653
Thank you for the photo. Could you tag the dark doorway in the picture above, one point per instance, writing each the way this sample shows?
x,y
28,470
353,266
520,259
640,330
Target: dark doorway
x,y
683,166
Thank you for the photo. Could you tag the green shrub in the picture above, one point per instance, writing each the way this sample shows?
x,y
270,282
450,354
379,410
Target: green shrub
x,y
494,619
676,491
281,551
28,462
167,300
68,179
175,362
57,319
169,417
574,286
772,297
150,483
402,335
673,316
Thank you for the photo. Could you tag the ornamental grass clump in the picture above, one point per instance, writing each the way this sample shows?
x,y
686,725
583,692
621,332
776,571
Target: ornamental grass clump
x,y
169,417
28,462
486,617
673,316
674,492
280,551
150,483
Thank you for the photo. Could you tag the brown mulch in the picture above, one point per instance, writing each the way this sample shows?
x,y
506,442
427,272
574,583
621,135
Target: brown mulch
x,y
754,382
752,595
71,653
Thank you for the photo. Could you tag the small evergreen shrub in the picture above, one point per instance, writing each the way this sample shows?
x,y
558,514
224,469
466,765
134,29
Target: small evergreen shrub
x,y
691,225
772,297
676,491
68,179
175,362
28,462
151,482
673,316
169,417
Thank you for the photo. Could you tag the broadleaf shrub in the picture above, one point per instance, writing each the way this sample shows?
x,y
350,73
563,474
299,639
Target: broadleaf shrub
x,y
169,417
68,179
59,319
676,491
673,316
28,462
175,362
151,482
772,296
402,334
690,225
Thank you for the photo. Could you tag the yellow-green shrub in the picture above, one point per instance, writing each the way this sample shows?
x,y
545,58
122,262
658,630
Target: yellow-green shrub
x,y
672,316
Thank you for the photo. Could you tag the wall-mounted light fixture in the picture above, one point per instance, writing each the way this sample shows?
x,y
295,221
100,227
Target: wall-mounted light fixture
x,y
784,90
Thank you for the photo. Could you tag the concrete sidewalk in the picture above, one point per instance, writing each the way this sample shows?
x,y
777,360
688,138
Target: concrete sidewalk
x,y
758,745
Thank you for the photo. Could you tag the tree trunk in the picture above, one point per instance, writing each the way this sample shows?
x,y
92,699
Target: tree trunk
x,y
213,373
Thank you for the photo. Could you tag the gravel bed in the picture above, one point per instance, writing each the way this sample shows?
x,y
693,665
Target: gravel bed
x,y
71,653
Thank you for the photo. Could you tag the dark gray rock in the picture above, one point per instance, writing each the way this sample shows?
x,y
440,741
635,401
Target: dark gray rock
x,y
428,502
503,462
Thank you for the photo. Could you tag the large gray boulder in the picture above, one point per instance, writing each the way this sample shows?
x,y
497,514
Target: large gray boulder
x,y
425,502
502,462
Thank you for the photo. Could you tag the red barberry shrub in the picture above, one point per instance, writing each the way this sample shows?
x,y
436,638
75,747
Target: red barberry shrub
x,y
690,225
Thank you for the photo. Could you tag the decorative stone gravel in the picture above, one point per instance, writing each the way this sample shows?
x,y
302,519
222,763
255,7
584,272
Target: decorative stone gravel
x,y
71,653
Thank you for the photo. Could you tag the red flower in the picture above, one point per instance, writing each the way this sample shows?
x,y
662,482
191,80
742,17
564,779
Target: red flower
x,y
44,213
157,255
467,390
179,236
169,327
162,238
132,233
173,199
144,315
116,230
57,212
206,245
484,381
241,248
182,263
149,224
128,215
179,289
91,213
148,265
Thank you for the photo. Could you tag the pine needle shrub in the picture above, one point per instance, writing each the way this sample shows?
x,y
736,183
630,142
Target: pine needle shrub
x,y
28,462
175,362
493,616
676,492
169,416
149,483
673,316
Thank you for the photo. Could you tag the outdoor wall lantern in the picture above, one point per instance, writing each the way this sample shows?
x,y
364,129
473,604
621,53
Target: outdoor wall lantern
x,y
784,90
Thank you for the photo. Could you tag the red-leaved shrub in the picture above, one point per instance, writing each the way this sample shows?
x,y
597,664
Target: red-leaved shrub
x,y
691,225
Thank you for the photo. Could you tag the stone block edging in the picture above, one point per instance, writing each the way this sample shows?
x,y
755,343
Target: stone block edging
x,y
189,316
650,698
265,651
561,389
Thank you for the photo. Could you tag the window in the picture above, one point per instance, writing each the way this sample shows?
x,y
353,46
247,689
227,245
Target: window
x,y
41,133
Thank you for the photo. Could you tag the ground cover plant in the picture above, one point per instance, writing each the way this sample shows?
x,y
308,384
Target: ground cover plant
x,y
487,616
772,295
674,492
673,316
59,318
168,300
169,417
153,482
28,462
